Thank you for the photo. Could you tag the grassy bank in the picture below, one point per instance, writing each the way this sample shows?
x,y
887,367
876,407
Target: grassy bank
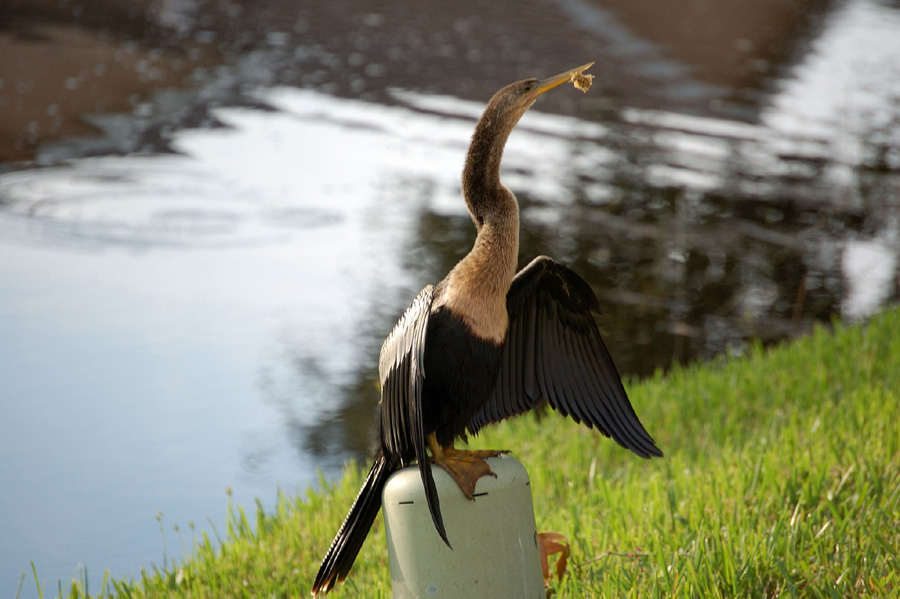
x,y
781,479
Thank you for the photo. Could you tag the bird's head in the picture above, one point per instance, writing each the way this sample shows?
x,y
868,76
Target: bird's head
x,y
512,101
485,195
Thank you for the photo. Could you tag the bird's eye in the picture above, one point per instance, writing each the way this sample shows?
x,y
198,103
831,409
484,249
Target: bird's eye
x,y
529,87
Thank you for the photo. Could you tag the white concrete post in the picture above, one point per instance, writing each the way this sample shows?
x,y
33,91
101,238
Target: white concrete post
x,y
495,552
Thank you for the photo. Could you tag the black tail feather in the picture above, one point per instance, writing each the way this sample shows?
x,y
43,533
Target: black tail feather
x,y
432,499
349,539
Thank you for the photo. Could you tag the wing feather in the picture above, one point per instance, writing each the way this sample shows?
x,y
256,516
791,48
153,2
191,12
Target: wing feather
x,y
622,411
544,376
576,370
508,388
559,377
527,344
553,351
402,373
596,388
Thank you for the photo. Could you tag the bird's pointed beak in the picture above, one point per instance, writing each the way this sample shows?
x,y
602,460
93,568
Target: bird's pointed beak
x,y
551,82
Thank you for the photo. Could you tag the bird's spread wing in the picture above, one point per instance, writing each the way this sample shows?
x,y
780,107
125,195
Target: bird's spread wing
x,y
402,374
554,353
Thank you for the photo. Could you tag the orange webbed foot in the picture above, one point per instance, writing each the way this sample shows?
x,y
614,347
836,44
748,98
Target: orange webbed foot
x,y
465,466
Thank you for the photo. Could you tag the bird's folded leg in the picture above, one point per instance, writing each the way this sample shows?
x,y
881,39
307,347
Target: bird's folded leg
x,y
550,543
465,466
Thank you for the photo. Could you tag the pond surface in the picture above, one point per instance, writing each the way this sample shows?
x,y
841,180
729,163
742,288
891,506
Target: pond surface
x,y
190,310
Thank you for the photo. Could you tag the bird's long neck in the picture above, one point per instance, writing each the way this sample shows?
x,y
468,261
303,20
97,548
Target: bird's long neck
x,y
476,288
482,170
491,264
493,207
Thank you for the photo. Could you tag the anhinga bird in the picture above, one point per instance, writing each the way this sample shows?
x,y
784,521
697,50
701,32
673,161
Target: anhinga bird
x,y
485,344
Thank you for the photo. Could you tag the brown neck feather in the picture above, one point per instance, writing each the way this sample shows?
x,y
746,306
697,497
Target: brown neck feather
x,y
481,175
475,290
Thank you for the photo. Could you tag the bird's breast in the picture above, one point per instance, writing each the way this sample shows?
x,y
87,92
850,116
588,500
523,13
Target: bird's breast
x,y
483,313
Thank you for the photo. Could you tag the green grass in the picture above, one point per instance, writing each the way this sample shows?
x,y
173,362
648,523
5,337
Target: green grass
x,y
781,479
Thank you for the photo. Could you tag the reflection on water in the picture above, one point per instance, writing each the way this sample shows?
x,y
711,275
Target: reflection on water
x,y
175,325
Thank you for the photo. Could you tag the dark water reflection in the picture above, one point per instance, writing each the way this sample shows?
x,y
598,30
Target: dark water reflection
x,y
733,175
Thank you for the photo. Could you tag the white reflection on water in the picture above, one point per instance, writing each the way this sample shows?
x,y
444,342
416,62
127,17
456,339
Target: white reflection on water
x,y
839,104
870,268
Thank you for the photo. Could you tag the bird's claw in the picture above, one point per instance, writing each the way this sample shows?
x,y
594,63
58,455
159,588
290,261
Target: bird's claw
x,y
466,467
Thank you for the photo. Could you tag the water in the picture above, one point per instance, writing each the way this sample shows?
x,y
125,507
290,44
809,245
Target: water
x,y
177,324
153,311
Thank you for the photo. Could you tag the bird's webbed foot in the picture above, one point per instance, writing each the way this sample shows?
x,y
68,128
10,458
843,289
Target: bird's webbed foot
x,y
465,466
